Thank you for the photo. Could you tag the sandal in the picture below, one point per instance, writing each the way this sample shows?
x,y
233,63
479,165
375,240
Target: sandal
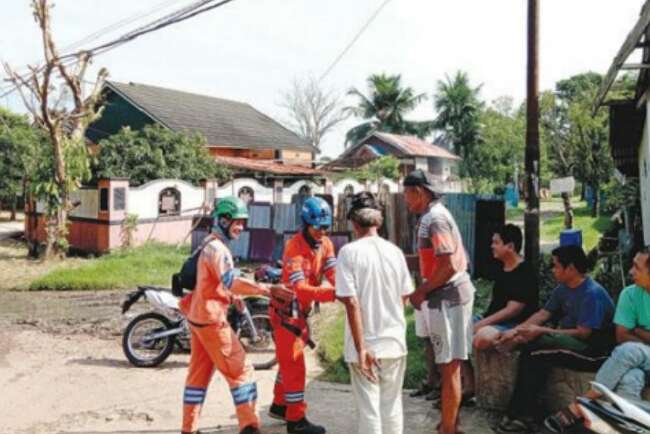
x,y
423,390
512,425
562,421
466,401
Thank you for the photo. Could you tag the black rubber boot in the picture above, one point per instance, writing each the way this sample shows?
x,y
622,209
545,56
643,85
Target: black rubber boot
x,y
303,426
278,412
250,429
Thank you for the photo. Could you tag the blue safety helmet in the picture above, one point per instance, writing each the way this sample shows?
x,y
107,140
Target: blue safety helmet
x,y
316,212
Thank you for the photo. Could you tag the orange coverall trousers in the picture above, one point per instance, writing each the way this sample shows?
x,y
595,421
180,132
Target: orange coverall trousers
x,y
289,387
217,347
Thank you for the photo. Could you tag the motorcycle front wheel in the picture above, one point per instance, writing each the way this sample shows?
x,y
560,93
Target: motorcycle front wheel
x,y
138,346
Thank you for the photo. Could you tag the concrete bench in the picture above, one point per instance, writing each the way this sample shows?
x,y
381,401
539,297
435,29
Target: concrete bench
x,y
496,375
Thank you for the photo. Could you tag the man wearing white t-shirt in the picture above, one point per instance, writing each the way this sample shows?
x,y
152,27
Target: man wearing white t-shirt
x,y
373,281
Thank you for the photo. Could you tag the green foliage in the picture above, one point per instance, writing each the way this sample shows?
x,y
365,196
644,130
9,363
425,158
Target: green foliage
x,y
501,150
19,143
154,153
152,264
383,167
129,226
459,109
622,196
384,109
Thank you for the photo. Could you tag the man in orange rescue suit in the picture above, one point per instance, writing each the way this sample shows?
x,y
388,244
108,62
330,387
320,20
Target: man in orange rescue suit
x,y
214,344
308,257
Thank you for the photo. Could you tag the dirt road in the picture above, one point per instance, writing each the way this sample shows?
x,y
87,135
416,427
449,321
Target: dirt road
x,y
62,371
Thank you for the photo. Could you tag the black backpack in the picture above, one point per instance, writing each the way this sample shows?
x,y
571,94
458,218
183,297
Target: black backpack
x,y
185,279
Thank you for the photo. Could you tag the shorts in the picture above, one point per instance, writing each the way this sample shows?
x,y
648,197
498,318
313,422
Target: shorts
x,y
422,329
451,331
502,326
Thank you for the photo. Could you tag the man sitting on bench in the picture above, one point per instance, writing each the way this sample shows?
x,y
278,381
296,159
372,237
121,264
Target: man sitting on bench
x,y
625,372
583,310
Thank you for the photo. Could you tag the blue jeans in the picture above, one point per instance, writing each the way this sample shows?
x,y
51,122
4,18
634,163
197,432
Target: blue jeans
x,y
502,326
625,370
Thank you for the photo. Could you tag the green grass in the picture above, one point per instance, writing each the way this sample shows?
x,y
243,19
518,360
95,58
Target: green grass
x,y
152,264
592,227
552,220
330,344
515,213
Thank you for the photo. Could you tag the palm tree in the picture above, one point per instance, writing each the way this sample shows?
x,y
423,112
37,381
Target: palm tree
x,y
459,107
384,108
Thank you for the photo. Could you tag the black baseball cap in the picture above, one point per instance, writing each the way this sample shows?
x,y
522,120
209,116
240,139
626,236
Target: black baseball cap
x,y
420,178
361,200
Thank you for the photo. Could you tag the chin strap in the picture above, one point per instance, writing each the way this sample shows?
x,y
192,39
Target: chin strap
x,y
222,230
313,243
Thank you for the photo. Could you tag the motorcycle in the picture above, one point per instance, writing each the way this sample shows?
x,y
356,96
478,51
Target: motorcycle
x,y
613,414
150,338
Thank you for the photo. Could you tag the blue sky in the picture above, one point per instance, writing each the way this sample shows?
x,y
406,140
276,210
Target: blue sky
x,y
250,50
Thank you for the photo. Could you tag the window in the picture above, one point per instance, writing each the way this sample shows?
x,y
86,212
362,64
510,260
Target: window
x,y
169,202
305,190
119,199
246,194
103,199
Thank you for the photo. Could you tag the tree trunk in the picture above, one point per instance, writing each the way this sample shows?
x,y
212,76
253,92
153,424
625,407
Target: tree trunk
x,y
568,211
595,210
58,229
14,205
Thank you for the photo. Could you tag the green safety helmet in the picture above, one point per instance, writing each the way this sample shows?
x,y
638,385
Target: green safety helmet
x,y
231,207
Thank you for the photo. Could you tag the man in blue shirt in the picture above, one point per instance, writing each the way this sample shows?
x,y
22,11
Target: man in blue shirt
x,y
583,311
626,370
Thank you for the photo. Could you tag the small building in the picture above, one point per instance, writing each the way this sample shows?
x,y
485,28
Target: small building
x,y
412,153
629,128
236,132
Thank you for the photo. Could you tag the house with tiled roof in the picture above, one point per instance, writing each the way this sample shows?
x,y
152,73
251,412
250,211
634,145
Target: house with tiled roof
x,y
238,135
412,153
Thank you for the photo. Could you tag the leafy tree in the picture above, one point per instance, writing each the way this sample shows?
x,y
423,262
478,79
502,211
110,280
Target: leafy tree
x,y
384,108
502,147
589,136
18,145
153,153
376,170
44,89
459,108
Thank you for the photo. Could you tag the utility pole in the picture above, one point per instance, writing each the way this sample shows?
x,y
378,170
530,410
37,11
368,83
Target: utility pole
x,y
531,215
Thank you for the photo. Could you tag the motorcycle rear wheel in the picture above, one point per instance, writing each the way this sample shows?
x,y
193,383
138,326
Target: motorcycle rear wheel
x,y
143,352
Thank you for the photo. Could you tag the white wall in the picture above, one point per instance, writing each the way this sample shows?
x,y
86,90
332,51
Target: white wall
x,y
294,188
644,179
89,206
262,193
143,200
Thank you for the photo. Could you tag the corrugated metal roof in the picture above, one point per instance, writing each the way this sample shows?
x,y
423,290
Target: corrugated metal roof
x,y
224,123
415,147
269,166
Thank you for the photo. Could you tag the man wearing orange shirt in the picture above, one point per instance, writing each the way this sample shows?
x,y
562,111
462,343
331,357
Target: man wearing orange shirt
x,y
308,258
214,344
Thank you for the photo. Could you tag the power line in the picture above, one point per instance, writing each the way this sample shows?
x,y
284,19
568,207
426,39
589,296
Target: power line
x,y
173,18
108,29
355,39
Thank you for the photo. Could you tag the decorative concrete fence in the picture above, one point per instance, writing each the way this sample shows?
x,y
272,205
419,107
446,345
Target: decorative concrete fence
x,y
166,208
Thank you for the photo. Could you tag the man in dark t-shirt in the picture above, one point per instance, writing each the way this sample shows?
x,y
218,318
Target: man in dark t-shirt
x,y
514,296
